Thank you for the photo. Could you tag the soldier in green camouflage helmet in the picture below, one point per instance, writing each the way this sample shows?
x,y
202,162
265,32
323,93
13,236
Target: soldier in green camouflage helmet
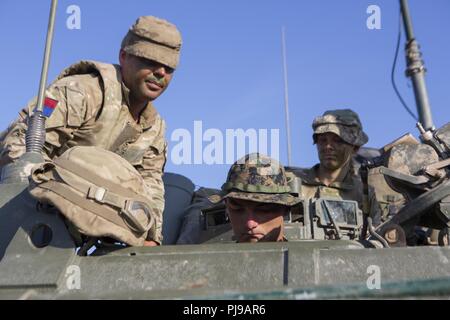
x,y
110,106
338,135
344,123
257,197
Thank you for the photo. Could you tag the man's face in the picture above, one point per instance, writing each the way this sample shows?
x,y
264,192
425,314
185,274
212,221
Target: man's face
x,y
333,152
146,79
255,221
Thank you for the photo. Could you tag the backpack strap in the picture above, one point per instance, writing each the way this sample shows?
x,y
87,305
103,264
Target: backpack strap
x,y
67,193
111,188
129,203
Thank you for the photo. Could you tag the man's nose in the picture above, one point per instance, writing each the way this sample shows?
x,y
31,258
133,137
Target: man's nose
x,y
160,72
251,221
328,145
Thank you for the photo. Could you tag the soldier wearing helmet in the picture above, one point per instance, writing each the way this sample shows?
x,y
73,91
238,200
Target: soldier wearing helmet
x,y
338,135
110,106
257,197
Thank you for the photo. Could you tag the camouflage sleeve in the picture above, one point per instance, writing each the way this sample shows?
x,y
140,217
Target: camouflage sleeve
x,y
71,111
12,141
152,169
374,208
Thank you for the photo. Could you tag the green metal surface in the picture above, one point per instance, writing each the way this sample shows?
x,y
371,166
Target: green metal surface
x,y
38,258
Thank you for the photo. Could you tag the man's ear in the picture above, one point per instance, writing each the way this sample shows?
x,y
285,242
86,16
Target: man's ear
x,y
122,56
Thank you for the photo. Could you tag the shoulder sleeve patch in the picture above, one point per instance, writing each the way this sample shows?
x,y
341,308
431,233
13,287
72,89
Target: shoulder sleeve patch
x,y
49,105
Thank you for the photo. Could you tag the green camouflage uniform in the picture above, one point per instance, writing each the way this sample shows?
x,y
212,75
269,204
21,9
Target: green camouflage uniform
x,y
257,178
254,177
349,189
92,110
345,124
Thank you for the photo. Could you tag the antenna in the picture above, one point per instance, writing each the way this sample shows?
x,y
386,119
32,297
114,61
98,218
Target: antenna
x,y
416,69
35,136
286,97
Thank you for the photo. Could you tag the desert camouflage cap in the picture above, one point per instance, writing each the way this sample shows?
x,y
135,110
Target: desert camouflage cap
x,y
155,39
259,178
343,122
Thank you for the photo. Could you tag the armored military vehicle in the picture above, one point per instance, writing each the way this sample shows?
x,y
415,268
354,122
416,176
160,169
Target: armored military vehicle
x,y
39,259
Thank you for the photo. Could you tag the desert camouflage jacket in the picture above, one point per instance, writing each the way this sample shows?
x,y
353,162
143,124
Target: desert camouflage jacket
x,y
88,106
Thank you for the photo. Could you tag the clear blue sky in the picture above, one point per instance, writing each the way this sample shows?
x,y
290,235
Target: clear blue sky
x,y
231,75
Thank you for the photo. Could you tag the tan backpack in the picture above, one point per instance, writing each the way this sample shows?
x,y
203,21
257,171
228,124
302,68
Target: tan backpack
x,y
98,191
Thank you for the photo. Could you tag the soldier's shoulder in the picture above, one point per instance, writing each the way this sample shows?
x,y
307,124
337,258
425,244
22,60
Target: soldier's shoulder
x,y
306,174
81,87
83,83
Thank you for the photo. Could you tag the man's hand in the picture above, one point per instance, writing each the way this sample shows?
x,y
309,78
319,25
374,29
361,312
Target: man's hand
x,y
150,243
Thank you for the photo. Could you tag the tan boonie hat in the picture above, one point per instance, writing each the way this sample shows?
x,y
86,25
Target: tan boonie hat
x,y
343,122
258,178
154,39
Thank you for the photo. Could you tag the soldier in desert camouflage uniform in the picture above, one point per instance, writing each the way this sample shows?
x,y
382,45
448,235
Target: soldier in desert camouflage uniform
x,y
257,197
110,106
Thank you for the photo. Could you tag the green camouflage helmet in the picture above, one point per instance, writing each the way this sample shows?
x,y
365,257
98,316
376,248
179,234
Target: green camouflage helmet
x,y
259,178
344,122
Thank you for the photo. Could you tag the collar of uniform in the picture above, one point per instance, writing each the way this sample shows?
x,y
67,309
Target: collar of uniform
x,y
312,178
148,115
125,93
